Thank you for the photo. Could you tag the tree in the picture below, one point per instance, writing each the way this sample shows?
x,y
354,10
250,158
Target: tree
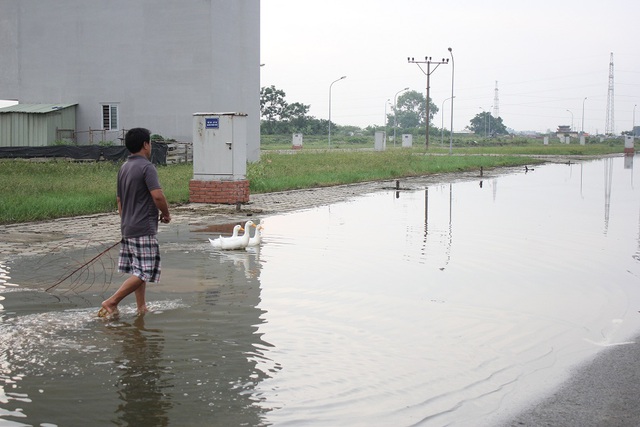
x,y
410,110
295,115
278,115
272,105
485,124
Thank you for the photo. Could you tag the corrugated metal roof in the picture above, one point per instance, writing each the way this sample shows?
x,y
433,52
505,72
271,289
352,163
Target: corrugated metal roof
x,y
34,108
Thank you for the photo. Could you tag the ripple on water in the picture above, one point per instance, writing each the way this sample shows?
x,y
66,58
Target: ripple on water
x,y
438,307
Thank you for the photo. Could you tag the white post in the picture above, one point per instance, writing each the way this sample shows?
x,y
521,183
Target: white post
x,y
380,143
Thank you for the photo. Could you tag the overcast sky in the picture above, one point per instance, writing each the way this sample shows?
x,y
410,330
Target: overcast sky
x,y
546,56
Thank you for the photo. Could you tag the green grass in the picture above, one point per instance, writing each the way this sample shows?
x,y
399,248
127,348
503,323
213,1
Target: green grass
x,y
34,191
278,172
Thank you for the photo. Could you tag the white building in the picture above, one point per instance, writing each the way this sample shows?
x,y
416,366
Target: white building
x,y
130,63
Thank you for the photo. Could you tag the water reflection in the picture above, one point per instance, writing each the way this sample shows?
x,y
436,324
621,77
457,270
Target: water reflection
x,y
531,286
196,357
144,384
11,398
442,235
608,182
445,304
222,358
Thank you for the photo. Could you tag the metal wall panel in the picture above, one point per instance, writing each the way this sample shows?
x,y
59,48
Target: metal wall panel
x,y
34,125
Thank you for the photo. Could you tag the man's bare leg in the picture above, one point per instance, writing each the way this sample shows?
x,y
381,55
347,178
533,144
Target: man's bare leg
x,y
140,298
132,284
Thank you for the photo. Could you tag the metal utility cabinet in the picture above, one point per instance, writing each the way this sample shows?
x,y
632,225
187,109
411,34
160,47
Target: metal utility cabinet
x,y
219,158
219,146
407,140
380,141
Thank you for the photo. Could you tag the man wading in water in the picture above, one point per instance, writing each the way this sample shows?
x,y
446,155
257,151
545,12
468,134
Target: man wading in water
x,y
140,200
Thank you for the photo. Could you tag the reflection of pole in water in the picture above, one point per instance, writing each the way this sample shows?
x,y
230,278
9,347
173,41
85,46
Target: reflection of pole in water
x,y
495,189
628,164
450,242
581,171
608,178
450,201
426,223
636,256
426,213
570,171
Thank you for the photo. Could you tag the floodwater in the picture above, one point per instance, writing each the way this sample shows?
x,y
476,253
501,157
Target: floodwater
x,y
453,304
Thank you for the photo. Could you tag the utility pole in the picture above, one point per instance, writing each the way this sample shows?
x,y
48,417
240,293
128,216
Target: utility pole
x,y
337,80
582,129
609,128
496,102
428,61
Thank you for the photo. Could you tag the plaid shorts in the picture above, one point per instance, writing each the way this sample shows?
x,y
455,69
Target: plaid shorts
x,y
140,256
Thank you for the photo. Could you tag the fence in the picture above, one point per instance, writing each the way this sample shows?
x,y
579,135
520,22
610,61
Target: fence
x,y
82,153
94,136
179,152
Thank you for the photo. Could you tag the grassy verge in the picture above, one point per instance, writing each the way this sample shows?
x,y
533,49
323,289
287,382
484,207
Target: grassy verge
x,y
278,172
462,144
34,191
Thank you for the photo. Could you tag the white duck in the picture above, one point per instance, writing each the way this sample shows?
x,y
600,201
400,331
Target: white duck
x,y
257,237
239,242
217,243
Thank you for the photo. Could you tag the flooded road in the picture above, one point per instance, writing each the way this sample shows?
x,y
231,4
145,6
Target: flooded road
x,y
452,304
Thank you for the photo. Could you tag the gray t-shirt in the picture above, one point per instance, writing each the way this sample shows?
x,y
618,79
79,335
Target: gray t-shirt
x,y
136,178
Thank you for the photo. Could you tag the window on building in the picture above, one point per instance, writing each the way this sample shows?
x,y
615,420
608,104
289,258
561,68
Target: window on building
x,y
110,116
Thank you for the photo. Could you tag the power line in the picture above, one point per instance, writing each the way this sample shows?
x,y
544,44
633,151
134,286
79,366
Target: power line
x,y
428,61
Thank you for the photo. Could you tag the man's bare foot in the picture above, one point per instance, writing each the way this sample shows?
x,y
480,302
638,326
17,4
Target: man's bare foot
x,y
142,310
107,310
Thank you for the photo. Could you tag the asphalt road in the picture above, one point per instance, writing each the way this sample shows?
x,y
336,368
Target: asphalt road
x,y
605,392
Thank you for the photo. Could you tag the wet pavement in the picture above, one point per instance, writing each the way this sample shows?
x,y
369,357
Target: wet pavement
x,y
36,238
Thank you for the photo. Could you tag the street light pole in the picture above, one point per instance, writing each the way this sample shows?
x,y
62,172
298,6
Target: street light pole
x,y
582,131
428,61
384,124
337,80
571,120
485,121
633,124
395,114
451,130
442,122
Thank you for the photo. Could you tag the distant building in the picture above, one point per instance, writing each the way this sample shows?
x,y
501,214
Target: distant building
x,y
29,125
135,63
565,130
